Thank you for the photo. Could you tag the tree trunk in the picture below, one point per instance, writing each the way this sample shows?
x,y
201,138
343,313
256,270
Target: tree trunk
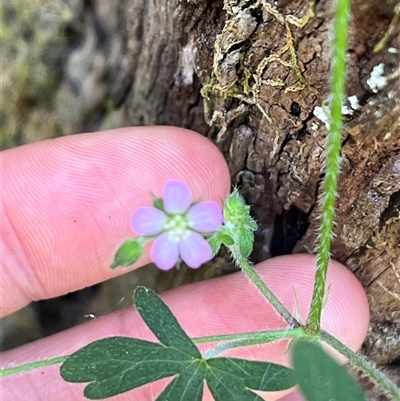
x,y
262,99
263,69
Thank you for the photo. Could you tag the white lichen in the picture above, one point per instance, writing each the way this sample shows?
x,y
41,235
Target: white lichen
x,y
323,114
347,111
186,67
377,80
314,126
354,104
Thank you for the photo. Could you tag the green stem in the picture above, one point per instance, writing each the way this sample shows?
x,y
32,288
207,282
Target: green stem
x,y
391,389
247,339
255,278
235,340
30,366
261,335
332,164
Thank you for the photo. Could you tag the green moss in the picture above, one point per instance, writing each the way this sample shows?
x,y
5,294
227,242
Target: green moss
x,y
32,39
239,78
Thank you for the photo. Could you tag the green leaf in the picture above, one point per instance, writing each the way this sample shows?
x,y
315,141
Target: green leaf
x,y
215,243
246,239
129,252
118,364
187,386
224,387
158,203
235,207
162,322
239,225
251,224
227,240
256,375
225,236
320,377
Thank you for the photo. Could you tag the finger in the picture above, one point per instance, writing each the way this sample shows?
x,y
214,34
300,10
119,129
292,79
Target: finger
x,y
226,305
67,203
293,396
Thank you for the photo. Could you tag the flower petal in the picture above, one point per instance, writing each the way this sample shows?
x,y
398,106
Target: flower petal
x,y
195,250
148,221
177,197
165,252
205,217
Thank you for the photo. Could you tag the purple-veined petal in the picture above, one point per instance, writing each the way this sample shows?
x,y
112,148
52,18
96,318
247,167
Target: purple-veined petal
x,y
148,221
205,217
195,250
177,197
165,252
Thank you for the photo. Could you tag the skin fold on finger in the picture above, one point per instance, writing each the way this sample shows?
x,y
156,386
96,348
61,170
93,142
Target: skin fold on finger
x,y
67,203
229,304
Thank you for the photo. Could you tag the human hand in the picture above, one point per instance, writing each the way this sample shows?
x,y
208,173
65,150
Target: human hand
x,y
66,209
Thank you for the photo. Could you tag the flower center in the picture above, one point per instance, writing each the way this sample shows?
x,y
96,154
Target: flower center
x,y
177,227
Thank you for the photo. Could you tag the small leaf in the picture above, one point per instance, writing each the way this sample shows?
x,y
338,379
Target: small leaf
x,y
246,239
238,222
187,386
162,322
118,364
129,252
227,240
226,237
235,206
158,203
320,377
256,375
251,224
215,243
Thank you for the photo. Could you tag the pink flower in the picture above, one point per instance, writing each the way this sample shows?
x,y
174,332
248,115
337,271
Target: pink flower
x,y
179,227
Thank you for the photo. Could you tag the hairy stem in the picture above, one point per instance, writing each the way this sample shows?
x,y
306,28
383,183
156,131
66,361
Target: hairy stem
x,y
255,278
30,366
247,339
360,362
233,341
332,163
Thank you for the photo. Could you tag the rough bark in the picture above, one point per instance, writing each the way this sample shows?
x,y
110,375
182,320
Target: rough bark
x,y
276,157
150,59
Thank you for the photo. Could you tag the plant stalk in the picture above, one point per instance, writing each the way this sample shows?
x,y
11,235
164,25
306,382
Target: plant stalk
x,y
391,389
30,366
255,278
332,164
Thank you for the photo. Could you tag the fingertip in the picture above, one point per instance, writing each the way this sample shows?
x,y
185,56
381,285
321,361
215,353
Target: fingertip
x,y
70,200
346,312
227,305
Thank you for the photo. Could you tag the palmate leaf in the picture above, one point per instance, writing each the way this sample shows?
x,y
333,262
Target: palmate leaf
x,y
320,377
187,386
256,375
118,364
162,322
226,388
232,379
